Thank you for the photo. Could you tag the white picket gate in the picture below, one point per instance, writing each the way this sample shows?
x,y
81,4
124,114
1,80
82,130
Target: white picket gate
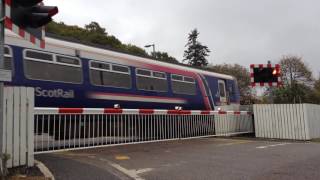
x,y
18,126
287,121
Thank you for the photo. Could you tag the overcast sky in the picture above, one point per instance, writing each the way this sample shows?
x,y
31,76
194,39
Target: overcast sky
x,y
236,31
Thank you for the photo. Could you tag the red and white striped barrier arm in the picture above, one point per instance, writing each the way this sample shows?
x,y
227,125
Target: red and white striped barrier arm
x,y
49,111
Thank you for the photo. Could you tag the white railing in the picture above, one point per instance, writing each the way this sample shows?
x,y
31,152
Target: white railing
x,y
59,129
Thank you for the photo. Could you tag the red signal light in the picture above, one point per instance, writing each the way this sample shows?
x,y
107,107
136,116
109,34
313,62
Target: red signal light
x,y
274,72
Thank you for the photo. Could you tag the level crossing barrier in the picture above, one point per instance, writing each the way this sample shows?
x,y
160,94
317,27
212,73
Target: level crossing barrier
x,y
60,129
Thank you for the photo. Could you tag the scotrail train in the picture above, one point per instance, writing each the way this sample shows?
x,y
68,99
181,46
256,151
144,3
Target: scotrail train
x,y
68,74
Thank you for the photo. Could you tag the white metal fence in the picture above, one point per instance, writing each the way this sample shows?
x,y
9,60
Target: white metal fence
x,y
287,121
77,128
17,126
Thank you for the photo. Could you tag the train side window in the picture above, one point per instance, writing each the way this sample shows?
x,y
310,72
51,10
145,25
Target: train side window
x,y
101,66
51,67
188,79
38,55
122,69
68,60
8,58
151,80
143,72
176,77
183,84
159,75
110,75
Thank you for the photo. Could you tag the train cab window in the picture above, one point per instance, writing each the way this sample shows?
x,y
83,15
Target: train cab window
x,y
151,80
110,75
51,67
183,84
7,58
222,89
232,89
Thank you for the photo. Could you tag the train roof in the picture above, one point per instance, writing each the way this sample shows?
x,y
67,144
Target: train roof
x,y
74,47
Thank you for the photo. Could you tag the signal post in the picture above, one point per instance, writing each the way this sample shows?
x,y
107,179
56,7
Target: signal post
x,y
25,18
2,29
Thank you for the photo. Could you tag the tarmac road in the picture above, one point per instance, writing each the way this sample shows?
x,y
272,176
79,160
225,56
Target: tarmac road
x,y
207,158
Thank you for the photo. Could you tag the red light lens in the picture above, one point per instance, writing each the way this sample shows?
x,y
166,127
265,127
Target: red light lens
x,y
274,72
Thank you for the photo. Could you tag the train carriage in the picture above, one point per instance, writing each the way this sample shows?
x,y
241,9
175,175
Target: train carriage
x,y
69,74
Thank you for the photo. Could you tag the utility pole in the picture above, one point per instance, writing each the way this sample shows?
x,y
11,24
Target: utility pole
x,y
153,48
270,97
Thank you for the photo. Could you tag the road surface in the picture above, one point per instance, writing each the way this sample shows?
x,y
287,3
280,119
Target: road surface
x,y
207,158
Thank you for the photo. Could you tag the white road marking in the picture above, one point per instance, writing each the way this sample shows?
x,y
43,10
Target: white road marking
x,y
134,174
45,171
235,143
140,171
273,145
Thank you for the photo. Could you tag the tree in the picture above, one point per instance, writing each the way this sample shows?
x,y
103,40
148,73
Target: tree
x,y
243,78
297,80
300,94
196,53
93,33
94,27
315,96
133,49
163,56
294,70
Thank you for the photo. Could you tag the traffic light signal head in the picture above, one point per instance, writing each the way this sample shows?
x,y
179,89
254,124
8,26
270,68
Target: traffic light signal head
x,y
26,17
30,14
265,75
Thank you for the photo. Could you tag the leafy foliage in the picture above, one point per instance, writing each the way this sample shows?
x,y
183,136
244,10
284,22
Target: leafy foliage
x,y
298,82
94,33
163,56
295,71
299,94
196,53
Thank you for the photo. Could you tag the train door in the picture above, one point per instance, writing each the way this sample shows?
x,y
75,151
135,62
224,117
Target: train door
x,y
208,91
222,92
